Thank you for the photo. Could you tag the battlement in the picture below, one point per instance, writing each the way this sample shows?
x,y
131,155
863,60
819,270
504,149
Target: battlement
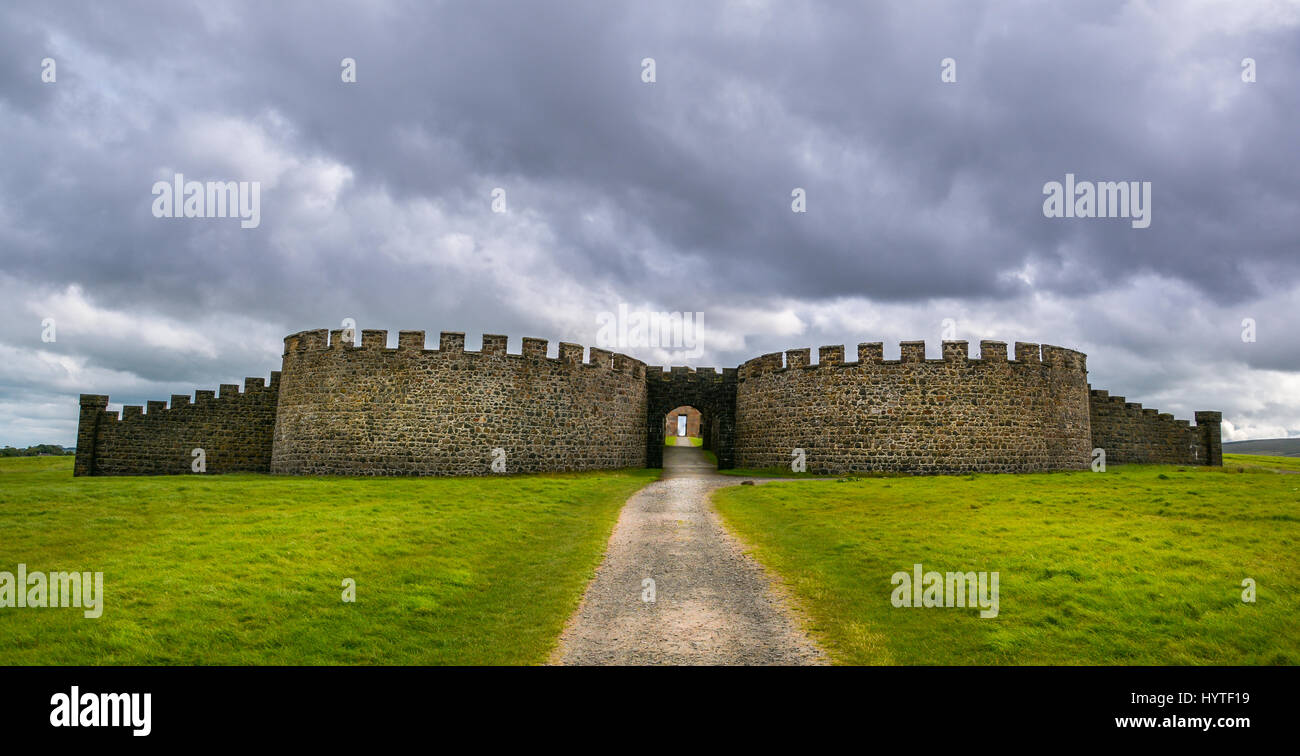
x,y
1116,403
955,353
233,428
368,408
953,413
681,373
453,343
1129,432
346,402
253,387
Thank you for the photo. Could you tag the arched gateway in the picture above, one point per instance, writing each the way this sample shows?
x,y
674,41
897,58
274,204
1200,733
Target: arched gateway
x,y
707,390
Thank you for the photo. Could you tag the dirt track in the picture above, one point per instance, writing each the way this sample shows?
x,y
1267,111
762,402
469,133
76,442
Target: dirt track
x,y
713,604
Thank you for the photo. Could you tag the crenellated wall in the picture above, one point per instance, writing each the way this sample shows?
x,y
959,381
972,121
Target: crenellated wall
x,y
372,410
340,408
1129,433
913,414
233,429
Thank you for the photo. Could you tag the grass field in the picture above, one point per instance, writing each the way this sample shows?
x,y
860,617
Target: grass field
x,y
247,569
1138,565
1256,461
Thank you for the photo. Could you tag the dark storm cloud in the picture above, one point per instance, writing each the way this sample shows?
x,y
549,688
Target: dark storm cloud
x,y
376,198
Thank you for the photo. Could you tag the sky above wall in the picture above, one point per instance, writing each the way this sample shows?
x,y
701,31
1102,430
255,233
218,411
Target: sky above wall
x,y
924,198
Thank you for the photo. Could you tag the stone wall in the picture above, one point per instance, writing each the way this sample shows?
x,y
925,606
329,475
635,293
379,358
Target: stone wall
x,y
233,429
949,415
337,408
1129,433
372,410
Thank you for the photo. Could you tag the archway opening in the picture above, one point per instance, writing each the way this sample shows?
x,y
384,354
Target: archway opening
x,y
682,426
687,427
712,394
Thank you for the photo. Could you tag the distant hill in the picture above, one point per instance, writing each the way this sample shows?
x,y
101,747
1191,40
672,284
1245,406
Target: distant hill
x,y
1269,447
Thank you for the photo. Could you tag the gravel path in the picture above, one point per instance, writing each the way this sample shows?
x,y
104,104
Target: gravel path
x,y
713,604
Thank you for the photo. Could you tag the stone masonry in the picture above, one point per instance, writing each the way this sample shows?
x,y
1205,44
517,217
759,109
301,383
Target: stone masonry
x,y
341,408
1130,433
371,410
948,415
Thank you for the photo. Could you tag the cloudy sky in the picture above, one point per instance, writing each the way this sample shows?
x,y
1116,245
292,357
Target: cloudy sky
x,y
924,198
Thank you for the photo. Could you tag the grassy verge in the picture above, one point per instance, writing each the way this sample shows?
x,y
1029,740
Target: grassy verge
x,y
768,472
1250,461
1139,565
247,569
1247,461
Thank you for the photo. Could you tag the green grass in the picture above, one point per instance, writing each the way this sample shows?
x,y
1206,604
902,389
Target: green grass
x,y
755,472
1229,460
247,569
672,440
1259,461
767,472
1138,565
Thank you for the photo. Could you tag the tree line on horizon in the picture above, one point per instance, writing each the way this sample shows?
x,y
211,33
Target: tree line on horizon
x,y
37,451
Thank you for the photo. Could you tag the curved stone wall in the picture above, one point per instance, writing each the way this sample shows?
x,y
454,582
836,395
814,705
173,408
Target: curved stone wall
x,y
371,410
914,414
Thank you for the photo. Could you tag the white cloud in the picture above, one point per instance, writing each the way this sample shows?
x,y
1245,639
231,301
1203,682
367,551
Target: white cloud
x,y
72,312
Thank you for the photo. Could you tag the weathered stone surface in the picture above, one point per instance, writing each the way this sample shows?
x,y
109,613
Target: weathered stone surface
x,y
234,431
340,407
413,411
1129,433
916,415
